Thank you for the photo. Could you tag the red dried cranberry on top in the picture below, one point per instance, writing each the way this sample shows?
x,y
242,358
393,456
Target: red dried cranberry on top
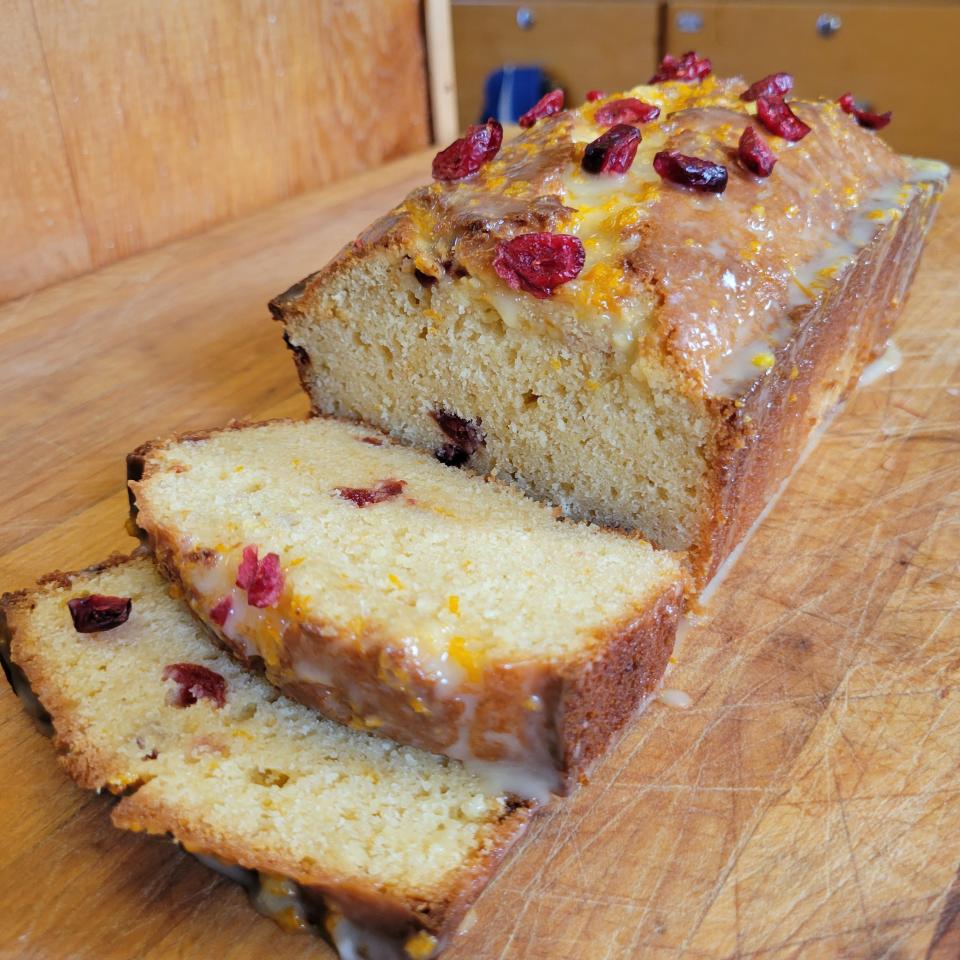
x,y
539,262
772,85
595,95
613,151
365,496
688,67
97,613
267,584
778,118
546,106
196,682
468,154
702,175
628,110
755,153
872,121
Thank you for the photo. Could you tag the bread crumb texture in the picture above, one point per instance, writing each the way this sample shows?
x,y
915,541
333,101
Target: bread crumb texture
x,y
263,780
457,565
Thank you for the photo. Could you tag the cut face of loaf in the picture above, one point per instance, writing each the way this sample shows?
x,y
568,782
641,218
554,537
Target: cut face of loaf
x,y
410,598
671,386
381,845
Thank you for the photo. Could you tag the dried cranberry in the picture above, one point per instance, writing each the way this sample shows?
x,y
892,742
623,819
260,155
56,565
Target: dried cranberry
x,y
872,121
539,262
97,613
772,85
755,153
688,67
468,154
693,172
778,118
373,441
546,106
613,151
364,496
595,95
630,110
248,567
263,580
196,682
268,584
221,611
465,436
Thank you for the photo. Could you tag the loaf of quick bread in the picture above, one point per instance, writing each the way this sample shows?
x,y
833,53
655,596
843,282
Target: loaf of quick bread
x,y
638,309
380,846
401,596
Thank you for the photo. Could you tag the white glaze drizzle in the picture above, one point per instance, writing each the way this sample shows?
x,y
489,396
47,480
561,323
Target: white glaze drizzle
x,y
738,369
526,767
675,698
888,362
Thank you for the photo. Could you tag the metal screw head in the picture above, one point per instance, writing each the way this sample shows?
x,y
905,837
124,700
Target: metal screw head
x,y
828,24
525,18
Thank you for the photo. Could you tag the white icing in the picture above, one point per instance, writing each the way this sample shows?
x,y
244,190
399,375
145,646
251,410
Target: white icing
x,y
811,279
526,766
675,698
353,942
888,361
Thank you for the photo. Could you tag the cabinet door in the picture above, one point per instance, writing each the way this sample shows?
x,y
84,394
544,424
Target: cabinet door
x,y
583,45
896,57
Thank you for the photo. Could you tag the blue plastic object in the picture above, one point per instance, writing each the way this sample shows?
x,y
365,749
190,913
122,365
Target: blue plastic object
x,y
511,91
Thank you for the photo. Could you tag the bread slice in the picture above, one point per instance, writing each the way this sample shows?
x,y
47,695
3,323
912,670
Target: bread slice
x,y
377,844
672,384
413,599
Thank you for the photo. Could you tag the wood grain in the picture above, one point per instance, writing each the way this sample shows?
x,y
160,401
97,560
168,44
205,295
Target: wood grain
x,y
806,806
41,231
176,116
443,81
880,53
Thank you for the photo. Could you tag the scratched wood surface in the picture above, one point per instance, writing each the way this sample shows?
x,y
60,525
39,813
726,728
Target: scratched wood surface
x,y
806,805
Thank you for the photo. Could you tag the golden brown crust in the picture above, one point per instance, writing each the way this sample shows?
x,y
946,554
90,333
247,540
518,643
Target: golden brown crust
x,y
370,906
528,711
601,696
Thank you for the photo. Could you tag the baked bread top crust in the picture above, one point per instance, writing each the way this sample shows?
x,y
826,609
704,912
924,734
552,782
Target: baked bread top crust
x,y
706,283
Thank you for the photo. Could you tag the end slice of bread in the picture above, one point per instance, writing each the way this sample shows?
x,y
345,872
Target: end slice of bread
x,y
409,598
381,845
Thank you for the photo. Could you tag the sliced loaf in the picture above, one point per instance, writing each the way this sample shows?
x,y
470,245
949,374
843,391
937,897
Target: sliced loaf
x,y
382,846
668,379
399,595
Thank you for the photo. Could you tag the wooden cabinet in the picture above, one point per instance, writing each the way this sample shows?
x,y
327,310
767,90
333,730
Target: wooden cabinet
x,y
581,45
896,56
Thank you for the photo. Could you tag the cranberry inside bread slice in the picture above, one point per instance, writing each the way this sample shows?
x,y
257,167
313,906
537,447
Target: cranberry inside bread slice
x,y
405,597
381,846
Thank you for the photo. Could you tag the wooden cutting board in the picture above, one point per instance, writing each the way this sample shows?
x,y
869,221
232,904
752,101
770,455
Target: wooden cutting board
x,y
806,805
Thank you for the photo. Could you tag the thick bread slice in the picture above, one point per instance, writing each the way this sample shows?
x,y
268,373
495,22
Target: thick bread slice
x,y
383,845
449,613
672,385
